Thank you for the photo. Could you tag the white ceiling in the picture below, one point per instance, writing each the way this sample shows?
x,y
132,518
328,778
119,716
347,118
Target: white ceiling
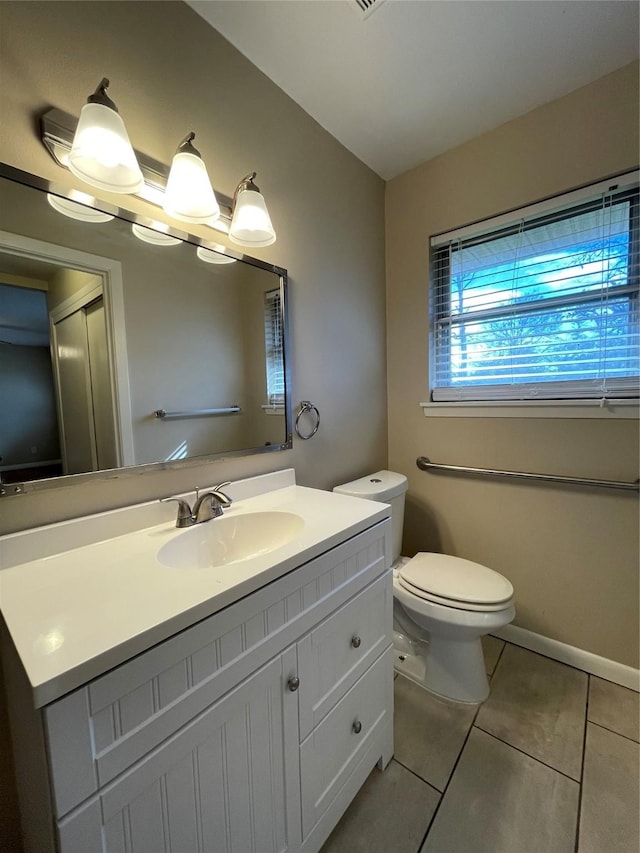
x,y
418,77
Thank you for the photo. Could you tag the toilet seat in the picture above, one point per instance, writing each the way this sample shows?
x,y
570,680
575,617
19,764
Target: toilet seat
x,y
455,582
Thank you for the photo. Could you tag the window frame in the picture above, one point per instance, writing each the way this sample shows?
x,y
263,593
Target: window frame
x,y
556,208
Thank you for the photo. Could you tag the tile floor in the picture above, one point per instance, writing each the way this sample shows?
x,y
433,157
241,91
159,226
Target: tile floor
x,y
548,764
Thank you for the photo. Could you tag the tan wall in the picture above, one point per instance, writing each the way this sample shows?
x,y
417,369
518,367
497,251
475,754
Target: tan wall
x,y
571,554
170,74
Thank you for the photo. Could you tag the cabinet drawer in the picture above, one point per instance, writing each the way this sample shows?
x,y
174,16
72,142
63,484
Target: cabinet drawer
x,y
334,655
98,731
333,750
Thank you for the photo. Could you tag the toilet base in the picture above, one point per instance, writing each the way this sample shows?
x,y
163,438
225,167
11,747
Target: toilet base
x,y
408,659
452,671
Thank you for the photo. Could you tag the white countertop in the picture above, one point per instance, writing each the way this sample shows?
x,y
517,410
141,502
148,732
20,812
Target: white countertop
x,y
74,614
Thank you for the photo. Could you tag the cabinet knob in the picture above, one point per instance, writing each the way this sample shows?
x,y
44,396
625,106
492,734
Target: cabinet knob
x,y
293,683
357,727
355,641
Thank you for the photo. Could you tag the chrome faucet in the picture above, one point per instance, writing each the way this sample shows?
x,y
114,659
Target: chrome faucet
x,y
207,506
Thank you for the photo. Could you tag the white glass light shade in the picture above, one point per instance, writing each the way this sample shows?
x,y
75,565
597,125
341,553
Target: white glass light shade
x,y
156,235
251,223
189,196
213,257
78,207
101,153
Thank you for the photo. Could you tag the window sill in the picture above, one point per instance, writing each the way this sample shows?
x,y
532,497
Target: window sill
x,y
627,409
271,409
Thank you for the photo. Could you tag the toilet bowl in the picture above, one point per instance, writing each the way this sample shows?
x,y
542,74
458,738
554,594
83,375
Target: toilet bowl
x,y
452,604
442,605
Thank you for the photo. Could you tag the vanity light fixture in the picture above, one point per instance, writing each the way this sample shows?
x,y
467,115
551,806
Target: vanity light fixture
x,y
156,234
189,196
213,256
101,153
79,206
67,140
251,223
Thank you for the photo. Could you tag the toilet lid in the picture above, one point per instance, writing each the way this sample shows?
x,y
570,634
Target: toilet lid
x,y
456,580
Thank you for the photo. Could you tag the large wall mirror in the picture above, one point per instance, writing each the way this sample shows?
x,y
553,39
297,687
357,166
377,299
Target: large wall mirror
x,y
122,345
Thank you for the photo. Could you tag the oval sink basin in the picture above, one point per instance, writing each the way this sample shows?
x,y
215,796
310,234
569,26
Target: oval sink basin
x,y
230,539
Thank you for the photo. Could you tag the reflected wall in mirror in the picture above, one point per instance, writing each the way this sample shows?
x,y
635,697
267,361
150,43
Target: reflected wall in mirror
x,y
117,351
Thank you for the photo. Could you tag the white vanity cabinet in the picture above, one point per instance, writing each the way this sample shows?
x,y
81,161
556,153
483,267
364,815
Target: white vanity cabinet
x,y
250,731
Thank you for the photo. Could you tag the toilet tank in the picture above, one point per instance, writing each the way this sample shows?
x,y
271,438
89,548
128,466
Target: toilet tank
x,y
385,487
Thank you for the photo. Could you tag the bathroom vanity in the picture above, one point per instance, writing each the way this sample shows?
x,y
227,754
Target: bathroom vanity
x,y
199,690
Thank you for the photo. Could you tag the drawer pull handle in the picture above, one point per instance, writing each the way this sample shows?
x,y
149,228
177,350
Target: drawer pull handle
x,y
355,641
357,727
293,683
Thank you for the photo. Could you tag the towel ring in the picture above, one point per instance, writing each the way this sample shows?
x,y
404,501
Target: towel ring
x,y
305,407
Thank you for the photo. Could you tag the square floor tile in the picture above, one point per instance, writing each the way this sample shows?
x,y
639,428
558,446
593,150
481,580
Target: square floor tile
x,y
614,707
391,812
502,801
539,706
492,648
429,732
609,817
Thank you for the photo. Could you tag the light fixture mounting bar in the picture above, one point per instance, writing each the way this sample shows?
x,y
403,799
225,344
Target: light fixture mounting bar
x,y
58,129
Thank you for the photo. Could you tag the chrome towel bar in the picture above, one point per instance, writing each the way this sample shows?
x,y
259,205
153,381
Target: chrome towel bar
x,y
425,464
196,413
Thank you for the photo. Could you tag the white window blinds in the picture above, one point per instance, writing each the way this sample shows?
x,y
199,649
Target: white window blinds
x,y
542,304
274,349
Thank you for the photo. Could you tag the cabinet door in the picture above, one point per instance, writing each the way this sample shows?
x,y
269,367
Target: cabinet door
x,y
221,784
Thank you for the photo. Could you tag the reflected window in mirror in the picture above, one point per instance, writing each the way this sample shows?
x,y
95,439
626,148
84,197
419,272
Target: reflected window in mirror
x,y
274,351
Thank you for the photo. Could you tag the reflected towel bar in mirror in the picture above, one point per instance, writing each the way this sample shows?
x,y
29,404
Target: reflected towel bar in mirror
x,y
197,413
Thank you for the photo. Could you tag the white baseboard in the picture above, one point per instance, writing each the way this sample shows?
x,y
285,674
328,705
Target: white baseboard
x,y
610,670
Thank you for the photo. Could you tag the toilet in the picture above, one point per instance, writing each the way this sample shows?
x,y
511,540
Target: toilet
x,y
442,605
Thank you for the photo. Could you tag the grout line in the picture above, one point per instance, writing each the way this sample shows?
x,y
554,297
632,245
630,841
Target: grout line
x,y
499,658
584,755
613,731
524,752
451,775
455,765
417,775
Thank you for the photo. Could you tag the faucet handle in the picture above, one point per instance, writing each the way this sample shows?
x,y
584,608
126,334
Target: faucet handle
x,y
184,518
224,499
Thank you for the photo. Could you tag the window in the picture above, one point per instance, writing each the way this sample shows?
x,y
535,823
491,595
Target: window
x,y
541,304
274,353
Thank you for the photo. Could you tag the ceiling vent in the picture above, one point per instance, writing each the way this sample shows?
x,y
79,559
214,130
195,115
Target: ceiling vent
x,y
364,8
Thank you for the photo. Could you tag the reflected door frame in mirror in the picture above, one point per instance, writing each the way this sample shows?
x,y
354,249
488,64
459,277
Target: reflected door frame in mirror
x,y
111,287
